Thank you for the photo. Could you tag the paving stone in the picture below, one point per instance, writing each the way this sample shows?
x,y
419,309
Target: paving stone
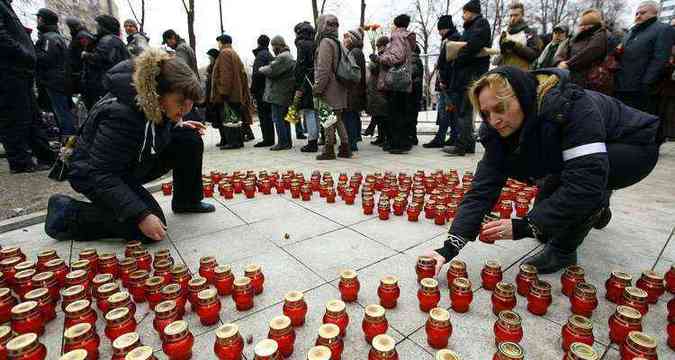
x,y
185,226
32,239
398,233
53,336
331,253
339,212
408,349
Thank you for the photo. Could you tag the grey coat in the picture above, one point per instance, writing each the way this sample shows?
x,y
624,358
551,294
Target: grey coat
x,y
646,50
136,43
280,83
185,53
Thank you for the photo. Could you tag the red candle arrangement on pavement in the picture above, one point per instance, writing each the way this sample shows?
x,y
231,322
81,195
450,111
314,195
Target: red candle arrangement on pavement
x,y
503,297
181,276
491,274
47,280
456,269
624,320
281,331
336,313
223,279
119,322
584,300
82,336
207,264
428,294
78,312
349,286
653,284
254,272
59,268
577,329
614,286
569,279
329,336
384,348
374,322
508,327
174,293
26,347
638,345
388,291
122,299
208,306
295,307
195,285
165,314
45,303
438,328
539,297
136,285
243,293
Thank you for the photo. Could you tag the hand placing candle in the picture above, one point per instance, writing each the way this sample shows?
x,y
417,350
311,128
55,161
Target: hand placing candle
x,y
498,230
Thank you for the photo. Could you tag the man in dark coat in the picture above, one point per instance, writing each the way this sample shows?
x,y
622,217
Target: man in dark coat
x,y
81,40
578,145
182,48
262,58
136,40
109,51
304,78
356,93
646,50
19,129
470,64
209,106
445,110
51,50
417,94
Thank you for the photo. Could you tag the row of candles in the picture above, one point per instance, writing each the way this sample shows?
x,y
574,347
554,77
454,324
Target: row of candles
x,y
444,189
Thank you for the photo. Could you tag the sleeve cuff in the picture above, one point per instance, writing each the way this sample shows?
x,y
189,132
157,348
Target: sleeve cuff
x,y
451,247
521,229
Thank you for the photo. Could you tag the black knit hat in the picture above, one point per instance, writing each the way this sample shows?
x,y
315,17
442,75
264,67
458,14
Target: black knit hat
x,y
444,22
263,40
213,52
472,6
402,21
224,38
48,16
109,23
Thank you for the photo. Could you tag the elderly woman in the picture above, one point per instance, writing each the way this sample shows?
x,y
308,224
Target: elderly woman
x,y
578,145
586,49
135,134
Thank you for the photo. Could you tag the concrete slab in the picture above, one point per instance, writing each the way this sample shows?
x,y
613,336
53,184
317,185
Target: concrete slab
x,y
32,239
398,233
191,225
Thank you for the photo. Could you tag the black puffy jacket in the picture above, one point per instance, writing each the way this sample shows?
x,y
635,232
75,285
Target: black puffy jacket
x,y
468,66
304,65
263,57
445,67
17,53
109,51
117,147
52,54
548,144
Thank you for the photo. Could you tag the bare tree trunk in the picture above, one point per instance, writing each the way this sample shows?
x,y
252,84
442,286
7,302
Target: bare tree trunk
x,y
142,24
220,11
323,6
315,12
363,13
190,12
447,7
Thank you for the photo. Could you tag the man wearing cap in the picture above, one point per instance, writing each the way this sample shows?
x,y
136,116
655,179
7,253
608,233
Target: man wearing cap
x,y
547,57
136,41
262,58
109,51
445,109
519,44
19,132
183,50
469,65
51,48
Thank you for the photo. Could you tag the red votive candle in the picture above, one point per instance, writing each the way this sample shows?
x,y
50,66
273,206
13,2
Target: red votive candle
x,y
635,298
503,297
229,343
59,268
167,188
175,293
27,318
374,322
426,267
388,291
195,285
122,299
7,268
103,293
508,327
580,351
569,279
136,286
577,329
254,272
653,283
281,331
79,312
82,336
295,307
456,269
22,282
108,264
539,297
319,353
438,328
624,320
7,302
207,265
73,293
329,336
267,349
428,294
126,267
584,300
670,279
639,345
178,341
5,336
119,322
336,313
413,213
349,286
461,295
526,277
143,260
223,279
615,285
165,314
243,293
43,257
131,247
180,275
26,347
509,351
124,344
46,305
92,255
208,307
384,348
491,274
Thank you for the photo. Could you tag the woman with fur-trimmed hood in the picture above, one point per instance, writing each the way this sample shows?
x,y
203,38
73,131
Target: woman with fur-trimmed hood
x,y
134,135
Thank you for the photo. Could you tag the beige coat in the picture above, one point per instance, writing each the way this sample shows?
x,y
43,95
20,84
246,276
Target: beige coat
x,y
326,86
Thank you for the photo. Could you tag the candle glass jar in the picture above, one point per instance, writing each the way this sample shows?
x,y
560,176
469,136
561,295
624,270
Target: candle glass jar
x,y
413,212
165,314
131,247
503,297
639,345
27,318
136,286
615,285
624,320
208,307
163,270
508,327
384,348
509,351
374,322
461,295
438,328
82,336
254,272
5,336
569,279
103,293
100,280
295,307
243,293
207,265
670,279
319,353
653,283
388,291
7,302
46,305
119,322
178,341
539,297
195,285
59,268
124,344
180,275
491,274
456,269
26,347
167,188
47,280
72,294
329,336
91,255
635,298
525,278
175,293
126,268
122,299
349,286
43,257
266,349
22,282
577,329
229,344
7,268
584,300
281,331
426,268
82,266
580,351
428,294
336,313
143,260
223,279
445,354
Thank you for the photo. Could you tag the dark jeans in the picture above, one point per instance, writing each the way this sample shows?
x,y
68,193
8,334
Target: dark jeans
x,y
466,140
299,129
265,119
628,164
63,111
183,155
399,117
20,129
446,119
352,121
282,127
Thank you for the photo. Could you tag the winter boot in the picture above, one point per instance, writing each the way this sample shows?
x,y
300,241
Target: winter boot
x,y
311,147
551,260
247,132
370,130
345,151
328,153
234,138
604,219
223,138
61,214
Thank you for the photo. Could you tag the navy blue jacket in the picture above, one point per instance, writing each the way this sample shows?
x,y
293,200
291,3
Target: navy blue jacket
x,y
467,66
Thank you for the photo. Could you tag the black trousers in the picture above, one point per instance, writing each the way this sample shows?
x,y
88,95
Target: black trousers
x,y
628,165
466,140
398,104
21,132
413,113
265,119
183,155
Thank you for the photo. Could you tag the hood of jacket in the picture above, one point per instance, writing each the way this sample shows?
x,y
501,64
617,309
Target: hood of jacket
x,y
145,73
119,82
324,30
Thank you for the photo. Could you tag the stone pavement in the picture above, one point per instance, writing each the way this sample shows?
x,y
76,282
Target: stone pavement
x,y
326,238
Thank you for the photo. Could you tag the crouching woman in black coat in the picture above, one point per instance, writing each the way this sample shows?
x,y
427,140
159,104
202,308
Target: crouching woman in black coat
x,y
577,145
133,135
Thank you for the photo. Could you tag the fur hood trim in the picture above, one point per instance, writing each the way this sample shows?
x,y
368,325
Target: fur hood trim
x,y
146,70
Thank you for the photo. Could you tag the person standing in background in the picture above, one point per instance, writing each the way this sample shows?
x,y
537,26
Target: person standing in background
x,y
136,40
262,58
356,93
519,44
417,95
547,57
304,78
81,40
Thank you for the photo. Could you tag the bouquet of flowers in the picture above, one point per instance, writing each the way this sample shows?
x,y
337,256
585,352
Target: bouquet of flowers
x,y
231,118
293,115
326,115
373,31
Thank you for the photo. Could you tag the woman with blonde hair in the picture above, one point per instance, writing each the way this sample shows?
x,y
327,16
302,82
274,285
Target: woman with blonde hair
x,y
577,145
134,135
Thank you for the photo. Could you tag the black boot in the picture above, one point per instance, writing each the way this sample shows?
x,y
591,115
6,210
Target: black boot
x,y
370,130
604,219
311,147
200,207
223,141
234,138
247,132
61,216
551,260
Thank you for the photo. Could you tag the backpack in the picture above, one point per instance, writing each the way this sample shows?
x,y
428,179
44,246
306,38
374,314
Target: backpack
x,y
347,71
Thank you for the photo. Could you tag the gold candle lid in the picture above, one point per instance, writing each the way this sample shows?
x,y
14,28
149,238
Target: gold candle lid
x,y
641,339
280,323
54,263
580,322
117,314
10,250
329,331
266,348
512,350
294,296
196,282
102,278
88,252
21,342
107,256
629,313
127,262
429,283
207,294
81,264
75,274
622,276
446,354
119,297
252,269
510,318
585,290
140,353
76,331
25,275
47,253
528,269
384,343
389,280
505,289
319,353
426,260
138,274
462,283
222,269
154,281
457,264
163,265
36,294
24,307
4,292
24,265
375,311
4,331
171,290
165,307
10,261
635,293
176,328
179,269
72,290
493,264
575,270
242,281
227,331
77,306
78,354
335,306
439,315
650,274
581,351
207,260
348,274
107,289
124,341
